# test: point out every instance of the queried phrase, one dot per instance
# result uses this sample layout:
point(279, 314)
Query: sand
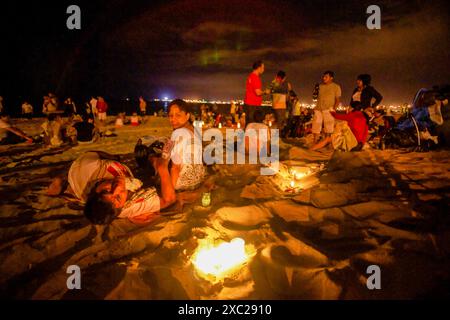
point(388, 208)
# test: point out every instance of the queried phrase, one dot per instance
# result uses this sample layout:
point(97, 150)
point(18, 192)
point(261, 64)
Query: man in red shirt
point(253, 91)
point(102, 107)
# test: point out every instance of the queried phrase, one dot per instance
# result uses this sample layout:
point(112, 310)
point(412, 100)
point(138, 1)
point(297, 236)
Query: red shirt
point(253, 83)
point(357, 123)
point(102, 106)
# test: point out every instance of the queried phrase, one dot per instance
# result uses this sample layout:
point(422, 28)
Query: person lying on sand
point(109, 190)
point(10, 134)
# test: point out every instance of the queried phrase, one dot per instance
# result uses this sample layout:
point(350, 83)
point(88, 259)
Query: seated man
point(10, 134)
point(109, 189)
point(258, 127)
point(86, 132)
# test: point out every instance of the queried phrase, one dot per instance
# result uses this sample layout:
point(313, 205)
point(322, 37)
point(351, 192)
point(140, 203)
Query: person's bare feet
point(55, 188)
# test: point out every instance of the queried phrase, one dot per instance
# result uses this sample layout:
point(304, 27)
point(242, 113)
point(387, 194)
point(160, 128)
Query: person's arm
point(19, 133)
point(340, 116)
point(175, 173)
point(167, 189)
point(338, 97)
point(378, 97)
point(336, 103)
point(107, 156)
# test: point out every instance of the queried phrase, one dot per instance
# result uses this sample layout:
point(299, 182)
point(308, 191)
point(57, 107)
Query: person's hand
point(159, 163)
point(267, 91)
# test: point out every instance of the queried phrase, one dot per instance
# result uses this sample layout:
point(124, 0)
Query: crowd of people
point(349, 136)
point(108, 189)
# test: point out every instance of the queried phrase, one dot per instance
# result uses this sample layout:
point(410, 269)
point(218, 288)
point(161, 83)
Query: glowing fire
point(219, 260)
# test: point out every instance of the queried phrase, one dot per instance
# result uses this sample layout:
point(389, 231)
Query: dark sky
point(205, 48)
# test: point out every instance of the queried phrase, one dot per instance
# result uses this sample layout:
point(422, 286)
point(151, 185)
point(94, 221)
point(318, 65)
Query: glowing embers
point(216, 262)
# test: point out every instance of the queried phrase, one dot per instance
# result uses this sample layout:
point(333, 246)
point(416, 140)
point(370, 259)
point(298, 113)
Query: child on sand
point(109, 190)
point(135, 120)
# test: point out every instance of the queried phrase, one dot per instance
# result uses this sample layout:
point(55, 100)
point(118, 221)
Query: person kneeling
point(343, 138)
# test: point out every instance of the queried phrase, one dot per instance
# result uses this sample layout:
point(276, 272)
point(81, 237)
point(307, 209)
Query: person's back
point(85, 131)
point(259, 129)
point(357, 124)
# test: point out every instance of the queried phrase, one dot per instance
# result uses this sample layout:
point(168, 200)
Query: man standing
point(280, 89)
point(142, 106)
point(329, 98)
point(93, 102)
point(102, 107)
point(253, 91)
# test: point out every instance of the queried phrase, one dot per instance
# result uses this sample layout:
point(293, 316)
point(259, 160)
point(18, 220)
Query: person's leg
point(317, 125)
point(250, 115)
point(57, 185)
point(321, 144)
point(328, 123)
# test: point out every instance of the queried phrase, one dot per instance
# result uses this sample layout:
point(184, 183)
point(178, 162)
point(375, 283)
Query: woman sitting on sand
point(109, 190)
point(184, 172)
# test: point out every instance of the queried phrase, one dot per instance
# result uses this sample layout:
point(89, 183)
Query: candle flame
point(219, 260)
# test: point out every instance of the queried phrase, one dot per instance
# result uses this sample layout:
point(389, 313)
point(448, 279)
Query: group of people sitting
point(76, 129)
point(108, 189)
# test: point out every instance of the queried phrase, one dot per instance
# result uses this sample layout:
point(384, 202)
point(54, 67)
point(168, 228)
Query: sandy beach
point(387, 208)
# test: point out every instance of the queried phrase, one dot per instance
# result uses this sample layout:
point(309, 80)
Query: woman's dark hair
point(257, 64)
point(181, 104)
point(141, 154)
point(258, 116)
point(365, 78)
point(281, 74)
point(99, 211)
point(330, 73)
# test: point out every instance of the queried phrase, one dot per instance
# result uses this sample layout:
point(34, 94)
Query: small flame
point(219, 260)
point(292, 184)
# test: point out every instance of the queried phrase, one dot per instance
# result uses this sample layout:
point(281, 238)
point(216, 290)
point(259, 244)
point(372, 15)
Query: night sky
point(205, 48)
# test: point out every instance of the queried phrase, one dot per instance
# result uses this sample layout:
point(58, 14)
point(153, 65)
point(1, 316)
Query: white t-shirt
point(357, 96)
point(89, 168)
point(3, 126)
point(186, 155)
point(327, 96)
point(144, 201)
point(257, 127)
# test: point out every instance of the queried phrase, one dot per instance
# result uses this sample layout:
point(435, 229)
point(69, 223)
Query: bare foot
point(55, 188)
